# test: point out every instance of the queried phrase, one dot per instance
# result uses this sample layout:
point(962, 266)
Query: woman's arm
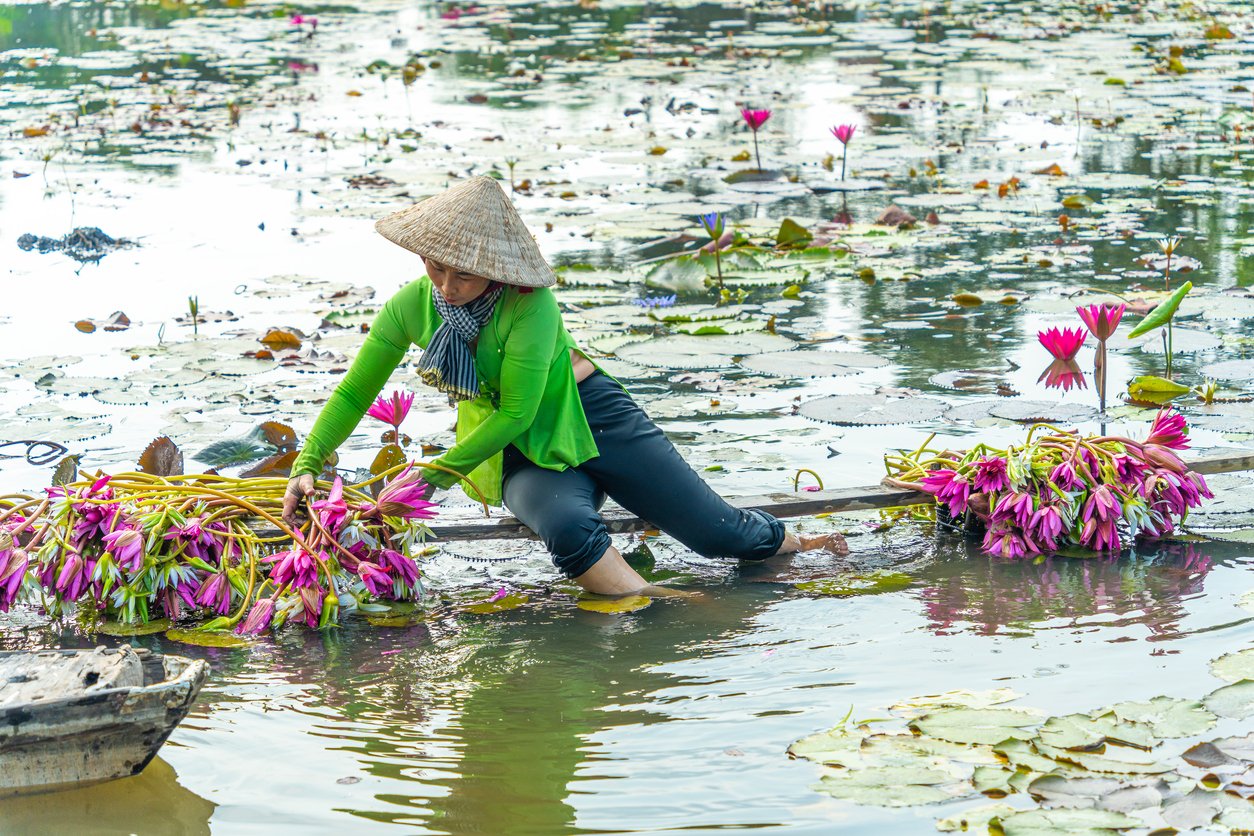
point(524, 374)
point(394, 330)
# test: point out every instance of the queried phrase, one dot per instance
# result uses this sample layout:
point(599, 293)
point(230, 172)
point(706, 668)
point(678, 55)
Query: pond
point(242, 151)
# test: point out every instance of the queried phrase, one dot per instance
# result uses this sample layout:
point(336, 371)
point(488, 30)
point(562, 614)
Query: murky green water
point(224, 139)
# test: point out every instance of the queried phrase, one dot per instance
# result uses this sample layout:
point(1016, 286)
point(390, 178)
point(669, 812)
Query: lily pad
point(1081, 731)
point(687, 352)
point(978, 725)
point(1067, 823)
point(207, 638)
point(975, 820)
point(1113, 759)
point(869, 410)
point(1166, 717)
point(626, 604)
point(892, 786)
point(870, 583)
point(954, 699)
point(1236, 370)
point(1234, 667)
point(1028, 411)
point(812, 363)
point(119, 628)
point(512, 601)
point(823, 747)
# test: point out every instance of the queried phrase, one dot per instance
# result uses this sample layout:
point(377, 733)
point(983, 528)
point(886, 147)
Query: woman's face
point(454, 285)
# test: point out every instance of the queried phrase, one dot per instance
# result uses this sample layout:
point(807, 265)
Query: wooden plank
point(783, 504)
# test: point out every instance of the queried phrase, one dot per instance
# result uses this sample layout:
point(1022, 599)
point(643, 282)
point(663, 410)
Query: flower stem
point(756, 155)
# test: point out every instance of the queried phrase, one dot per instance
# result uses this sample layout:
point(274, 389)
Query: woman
point(538, 425)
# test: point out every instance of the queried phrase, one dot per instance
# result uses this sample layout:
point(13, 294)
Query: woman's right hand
point(298, 488)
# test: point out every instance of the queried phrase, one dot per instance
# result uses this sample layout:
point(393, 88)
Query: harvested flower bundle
point(1061, 488)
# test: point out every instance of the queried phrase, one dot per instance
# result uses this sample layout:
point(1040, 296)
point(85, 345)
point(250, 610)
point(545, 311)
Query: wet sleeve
point(398, 326)
point(524, 374)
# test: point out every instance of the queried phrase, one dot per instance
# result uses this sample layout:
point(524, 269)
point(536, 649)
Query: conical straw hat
point(474, 227)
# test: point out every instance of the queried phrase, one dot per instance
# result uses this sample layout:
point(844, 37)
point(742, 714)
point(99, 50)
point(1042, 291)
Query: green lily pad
point(1067, 823)
point(1021, 754)
point(812, 363)
point(687, 352)
point(1235, 701)
point(892, 786)
point(870, 583)
point(626, 604)
point(1166, 717)
point(1113, 759)
point(512, 601)
point(954, 699)
point(207, 638)
point(868, 410)
point(975, 820)
point(1081, 731)
point(978, 725)
point(119, 628)
point(1233, 667)
point(828, 746)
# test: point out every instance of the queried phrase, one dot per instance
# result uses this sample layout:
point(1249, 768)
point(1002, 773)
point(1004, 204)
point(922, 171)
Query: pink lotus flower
point(333, 510)
point(755, 118)
point(404, 496)
point(258, 619)
point(990, 474)
point(948, 487)
point(1101, 535)
point(1164, 458)
point(300, 20)
point(392, 410)
point(1169, 430)
point(375, 577)
point(1128, 470)
point(1103, 504)
point(498, 595)
point(215, 593)
point(127, 546)
point(1063, 343)
point(1063, 374)
point(311, 601)
point(1101, 320)
point(74, 576)
point(197, 541)
point(1046, 525)
point(844, 133)
point(13, 563)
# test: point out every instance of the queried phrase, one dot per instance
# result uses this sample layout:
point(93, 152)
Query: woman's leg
point(643, 472)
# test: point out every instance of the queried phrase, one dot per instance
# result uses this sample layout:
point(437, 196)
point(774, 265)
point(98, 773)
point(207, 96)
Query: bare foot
point(834, 543)
point(655, 591)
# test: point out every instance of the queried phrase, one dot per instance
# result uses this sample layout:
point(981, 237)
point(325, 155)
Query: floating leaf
point(118, 628)
point(247, 448)
point(1114, 759)
point(161, 457)
point(628, 603)
point(1030, 411)
point(1233, 667)
point(1166, 716)
point(812, 363)
point(1081, 731)
point(869, 583)
point(1066, 822)
point(891, 786)
point(279, 338)
point(207, 638)
point(866, 410)
point(66, 470)
point(85, 325)
point(512, 601)
point(828, 746)
point(279, 434)
point(955, 699)
point(1155, 389)
point(280, 464)
point(792, 234)
point(977, 725)
point(975, 820)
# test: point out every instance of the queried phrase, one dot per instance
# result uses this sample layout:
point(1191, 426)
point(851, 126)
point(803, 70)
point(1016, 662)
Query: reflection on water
point(1150, 588)
point(152, 802)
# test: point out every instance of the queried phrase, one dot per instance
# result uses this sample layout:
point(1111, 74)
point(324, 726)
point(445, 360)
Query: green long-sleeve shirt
point(528, 395)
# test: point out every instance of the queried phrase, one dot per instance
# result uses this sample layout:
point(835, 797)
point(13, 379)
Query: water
point(549, 718)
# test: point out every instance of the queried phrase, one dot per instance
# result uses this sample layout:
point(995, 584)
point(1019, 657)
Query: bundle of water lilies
point(135, 547)
point(1060, 488)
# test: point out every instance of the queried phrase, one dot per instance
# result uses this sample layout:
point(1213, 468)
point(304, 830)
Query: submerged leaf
point(207, 638)
point(869, 583)
point(161, 457)
point(629, 603)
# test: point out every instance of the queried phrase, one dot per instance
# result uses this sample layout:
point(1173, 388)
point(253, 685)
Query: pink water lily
point(404, 496)
point(990, 474)
point(1063, 343)
point(333, 510)
point(949, 488)
point(1017, 507)
point(375, 577)
point(844, 133)
point(13, 564)
point(215, 593)
point(1064, 476)
point(1005, 542)
point(74, 576)
point(295, 566)
point(258, 619)
point(1101, 320)
point(405, 567)
point(1046, 525)
point(755, 119)
point(127, 546)
point(392, 410)
point(1168, 430)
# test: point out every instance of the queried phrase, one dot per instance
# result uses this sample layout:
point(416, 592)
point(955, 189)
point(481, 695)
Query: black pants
point(643, 472)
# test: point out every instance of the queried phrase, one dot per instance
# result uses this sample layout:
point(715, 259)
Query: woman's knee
point(575, 541)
